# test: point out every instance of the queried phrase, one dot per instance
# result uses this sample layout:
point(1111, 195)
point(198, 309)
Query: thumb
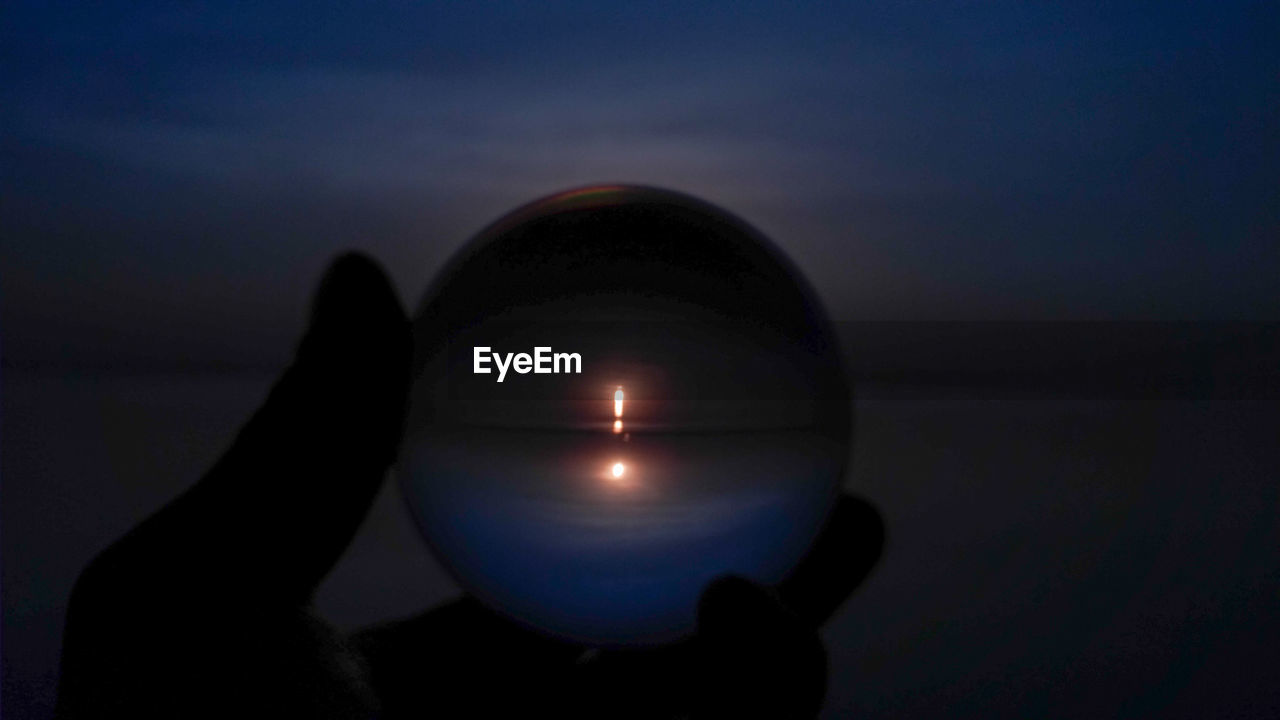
point(276, 511)
point(757, 659)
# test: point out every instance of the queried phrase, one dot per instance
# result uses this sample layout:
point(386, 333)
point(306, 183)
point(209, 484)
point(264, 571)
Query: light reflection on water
point(586, 536)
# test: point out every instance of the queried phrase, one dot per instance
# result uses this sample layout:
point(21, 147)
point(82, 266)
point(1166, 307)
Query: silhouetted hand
point(204, 608)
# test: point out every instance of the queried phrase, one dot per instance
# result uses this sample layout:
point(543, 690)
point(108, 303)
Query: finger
point(278, 508)
point(755, 658)
point(471, 657)
point(842, 556)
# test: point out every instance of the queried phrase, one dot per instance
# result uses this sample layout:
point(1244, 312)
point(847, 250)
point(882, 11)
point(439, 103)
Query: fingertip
point(351, 274)
point(757, 658)
point(356, 308)
point(732, 602)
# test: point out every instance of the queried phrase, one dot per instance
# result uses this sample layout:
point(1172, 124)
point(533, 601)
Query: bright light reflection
point(618, 469)
point(617, 402)
point(617, 426)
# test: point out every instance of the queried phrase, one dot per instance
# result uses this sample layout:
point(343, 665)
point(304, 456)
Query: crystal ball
point(620, 394)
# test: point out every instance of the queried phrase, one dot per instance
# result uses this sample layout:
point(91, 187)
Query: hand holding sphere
point(736, 432)
point(204, 608)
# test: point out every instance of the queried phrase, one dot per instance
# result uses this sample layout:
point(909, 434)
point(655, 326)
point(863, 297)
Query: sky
point(174, 178)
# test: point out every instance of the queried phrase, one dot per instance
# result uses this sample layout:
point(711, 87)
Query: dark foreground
point(1056, 549)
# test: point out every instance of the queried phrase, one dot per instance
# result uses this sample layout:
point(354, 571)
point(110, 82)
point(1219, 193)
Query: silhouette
point(203, 608)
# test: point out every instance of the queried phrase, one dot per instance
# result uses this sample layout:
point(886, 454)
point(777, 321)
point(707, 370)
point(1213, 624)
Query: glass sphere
point(680, 413)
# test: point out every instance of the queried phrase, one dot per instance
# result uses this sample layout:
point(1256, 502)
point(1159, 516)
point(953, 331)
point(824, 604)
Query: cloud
point(374, 132)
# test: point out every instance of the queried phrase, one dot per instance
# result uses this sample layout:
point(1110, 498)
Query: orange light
point(617, 426)
point(617, 402)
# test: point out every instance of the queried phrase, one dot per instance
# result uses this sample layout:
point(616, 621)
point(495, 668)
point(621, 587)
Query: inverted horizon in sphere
point(541, 505)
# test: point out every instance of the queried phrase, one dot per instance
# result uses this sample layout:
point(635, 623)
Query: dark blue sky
point(174, 179)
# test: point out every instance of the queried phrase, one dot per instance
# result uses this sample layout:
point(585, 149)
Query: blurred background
point(1048, 235)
